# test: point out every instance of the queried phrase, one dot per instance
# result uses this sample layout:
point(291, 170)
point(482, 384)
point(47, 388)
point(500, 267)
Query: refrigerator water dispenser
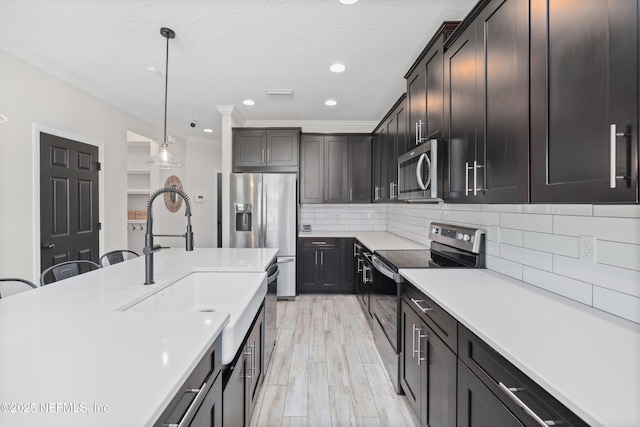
point(243, 217)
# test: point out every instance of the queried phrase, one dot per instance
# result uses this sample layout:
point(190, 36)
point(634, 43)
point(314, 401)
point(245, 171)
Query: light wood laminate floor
point(326, 371)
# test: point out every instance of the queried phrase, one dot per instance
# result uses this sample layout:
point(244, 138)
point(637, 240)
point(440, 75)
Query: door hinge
point(98, 166)
point(99, 226)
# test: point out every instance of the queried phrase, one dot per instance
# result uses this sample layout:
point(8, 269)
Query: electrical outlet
point(587, 248)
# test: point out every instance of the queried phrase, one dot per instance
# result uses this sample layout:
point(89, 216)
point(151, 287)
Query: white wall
point(30, 96)
point(204, 161)
point(537, 244)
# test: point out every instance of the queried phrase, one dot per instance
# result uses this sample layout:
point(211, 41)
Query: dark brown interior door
point(69, 221)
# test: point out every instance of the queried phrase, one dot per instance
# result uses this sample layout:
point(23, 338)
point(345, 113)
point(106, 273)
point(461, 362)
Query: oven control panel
point(464, 238)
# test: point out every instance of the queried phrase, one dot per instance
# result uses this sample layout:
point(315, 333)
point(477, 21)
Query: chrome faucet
point(149, 247)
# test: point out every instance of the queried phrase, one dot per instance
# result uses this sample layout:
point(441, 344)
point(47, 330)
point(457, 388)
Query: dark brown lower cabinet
point(198, 402)
point(241, 379)
point(326, 266)
point(428, 372)
point(477, 406)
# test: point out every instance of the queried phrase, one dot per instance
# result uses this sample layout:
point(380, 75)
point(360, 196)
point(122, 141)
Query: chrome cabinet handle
point(420, 337)
point(417, 134)
point(612, 155)
point(319, 242)
point(351, 194)
point(376, 193)
point(192, 407)
point(510, 391)
point(262, 156)
point(268, 155)
point(420, 138)
point(48, 246)
point(366, 279)
point(466, 178)
point(413, 345)
point(321, 258)
point(423, 309)
point(359, 265)
point(316, 254)
point(356, 249)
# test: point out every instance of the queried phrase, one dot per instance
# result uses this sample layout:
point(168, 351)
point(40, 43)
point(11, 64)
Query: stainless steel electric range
point(452, 246)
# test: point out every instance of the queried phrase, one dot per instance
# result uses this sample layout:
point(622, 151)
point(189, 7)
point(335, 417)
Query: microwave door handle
point(421, 183)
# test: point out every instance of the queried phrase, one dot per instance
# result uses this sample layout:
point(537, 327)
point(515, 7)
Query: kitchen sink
point(239, 294)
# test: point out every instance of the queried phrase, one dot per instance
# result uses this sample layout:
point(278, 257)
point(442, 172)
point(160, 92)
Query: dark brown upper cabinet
point(425, 91)
point(584, 101)
point(486, 76)
point(265, 150)
point(390, 141)
point(335, 168)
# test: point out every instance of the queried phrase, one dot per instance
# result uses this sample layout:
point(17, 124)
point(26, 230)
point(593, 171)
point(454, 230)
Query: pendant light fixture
point(165, 158)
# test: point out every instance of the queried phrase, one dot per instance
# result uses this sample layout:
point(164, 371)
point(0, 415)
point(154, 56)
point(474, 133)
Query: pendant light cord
point(166, 86)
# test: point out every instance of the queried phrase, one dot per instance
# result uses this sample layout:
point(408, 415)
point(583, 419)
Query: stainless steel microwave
point(419, 174)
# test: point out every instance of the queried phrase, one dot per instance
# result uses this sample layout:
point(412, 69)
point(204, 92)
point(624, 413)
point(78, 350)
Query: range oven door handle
point(382, 268)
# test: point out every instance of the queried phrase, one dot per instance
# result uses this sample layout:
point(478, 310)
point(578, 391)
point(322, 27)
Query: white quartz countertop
point(373, 240)
point(69, 357)
point(587, 359)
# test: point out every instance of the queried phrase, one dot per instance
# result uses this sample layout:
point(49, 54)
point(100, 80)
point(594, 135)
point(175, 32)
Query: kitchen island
point(70, 356)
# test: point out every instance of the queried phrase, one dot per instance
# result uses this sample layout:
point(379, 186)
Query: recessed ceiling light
point(3, 118)
point(330, 102)
point(337, 68)
point(348, 1)
point(155, 71)
point(207, 130)
point(249, 102)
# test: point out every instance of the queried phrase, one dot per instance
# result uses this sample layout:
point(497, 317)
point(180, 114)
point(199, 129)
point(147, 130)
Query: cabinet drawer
point(320, 243)
point(510, 384)
point(442, 323)
point(204, 373)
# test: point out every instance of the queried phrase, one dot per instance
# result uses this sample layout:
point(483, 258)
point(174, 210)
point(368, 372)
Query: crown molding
point(318, 126)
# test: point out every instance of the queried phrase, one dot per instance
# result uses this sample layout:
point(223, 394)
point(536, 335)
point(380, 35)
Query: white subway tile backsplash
point(506, 267)
point(472, 217)
point(617, 303)
point(618, 279)
point(562, 245)
point(585, 210)
point(626, 230)
point(618, 254)
point(511, 236)
point(565, 286)
point(541, 260)
point(503, 208)
point(617, 211)
point(528, 222)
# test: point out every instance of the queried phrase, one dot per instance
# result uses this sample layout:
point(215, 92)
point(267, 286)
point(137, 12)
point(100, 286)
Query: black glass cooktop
point(406, 258)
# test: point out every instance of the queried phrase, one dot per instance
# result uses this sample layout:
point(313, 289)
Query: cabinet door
point(210, 412)
point(584, 78)
point(233, 396)
point(249, 148)
point(255, 344)
point(502, 125)
point(282, 148)
point(307, 266)
point(411, 374)
point(359, 169)
point(311, 169)
point(477, 406)
point(348, 265)
point(329, 271)
point(379, 171)
point(434, 81)
point(390, 153)
point(336, 169)
point(400, 147)
point(441, 382)
point(460, 81)
point(417, 105)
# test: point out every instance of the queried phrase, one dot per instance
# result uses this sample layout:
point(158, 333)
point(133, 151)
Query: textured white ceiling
point(227, 51)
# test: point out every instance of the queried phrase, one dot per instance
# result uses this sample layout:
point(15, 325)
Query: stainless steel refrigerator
point(263, 215)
